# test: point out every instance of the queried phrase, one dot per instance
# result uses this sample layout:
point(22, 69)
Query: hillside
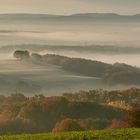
point(122, 134)
point(93, 110)
point(116, 74)
point(39, 114)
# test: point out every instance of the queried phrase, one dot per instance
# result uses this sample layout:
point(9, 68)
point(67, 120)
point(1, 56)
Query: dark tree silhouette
point(21, 54)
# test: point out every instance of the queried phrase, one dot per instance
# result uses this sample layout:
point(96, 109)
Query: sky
point(66, 7)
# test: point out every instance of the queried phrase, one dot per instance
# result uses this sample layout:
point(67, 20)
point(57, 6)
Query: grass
point(119, 134)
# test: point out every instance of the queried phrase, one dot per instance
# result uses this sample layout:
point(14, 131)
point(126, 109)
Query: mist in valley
point(108, 41)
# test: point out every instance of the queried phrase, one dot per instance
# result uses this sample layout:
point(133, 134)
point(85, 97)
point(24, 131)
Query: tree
point(67, 125)
point(16, 98)
point(36, 58)
point(117, 124)
point(21, 54)
point(133, 117)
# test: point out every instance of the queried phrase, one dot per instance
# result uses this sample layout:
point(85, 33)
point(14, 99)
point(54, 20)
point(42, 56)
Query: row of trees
point(111, 74)
point(117, 98)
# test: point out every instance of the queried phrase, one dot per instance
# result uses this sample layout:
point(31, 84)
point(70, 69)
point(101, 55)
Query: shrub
point(67, 125)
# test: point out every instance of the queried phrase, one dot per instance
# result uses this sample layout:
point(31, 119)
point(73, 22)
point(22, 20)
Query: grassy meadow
point(119, 134)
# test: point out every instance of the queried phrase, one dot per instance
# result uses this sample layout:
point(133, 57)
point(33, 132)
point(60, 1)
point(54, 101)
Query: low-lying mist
point(121, 37)
point(107, 54)
point(73, 36)
point(35, 79)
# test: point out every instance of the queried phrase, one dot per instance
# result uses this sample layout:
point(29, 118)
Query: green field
point(120, 134)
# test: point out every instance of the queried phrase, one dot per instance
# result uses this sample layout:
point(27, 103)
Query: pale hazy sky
point(70, 6)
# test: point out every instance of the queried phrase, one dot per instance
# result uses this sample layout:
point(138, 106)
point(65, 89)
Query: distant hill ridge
point(79, 16)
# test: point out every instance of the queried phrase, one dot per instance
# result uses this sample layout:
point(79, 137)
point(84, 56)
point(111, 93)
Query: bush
point(116, 124)
point(133, 117)
point(67, 125)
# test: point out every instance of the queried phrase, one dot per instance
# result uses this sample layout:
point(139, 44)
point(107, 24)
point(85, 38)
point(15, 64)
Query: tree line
point(111, 74)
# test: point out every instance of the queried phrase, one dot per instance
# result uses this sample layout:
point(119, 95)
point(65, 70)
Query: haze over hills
point(103, 33)
point(105, 37)
point(69, 65)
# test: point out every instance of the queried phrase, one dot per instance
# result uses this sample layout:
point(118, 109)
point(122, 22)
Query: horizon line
point(37, 13)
